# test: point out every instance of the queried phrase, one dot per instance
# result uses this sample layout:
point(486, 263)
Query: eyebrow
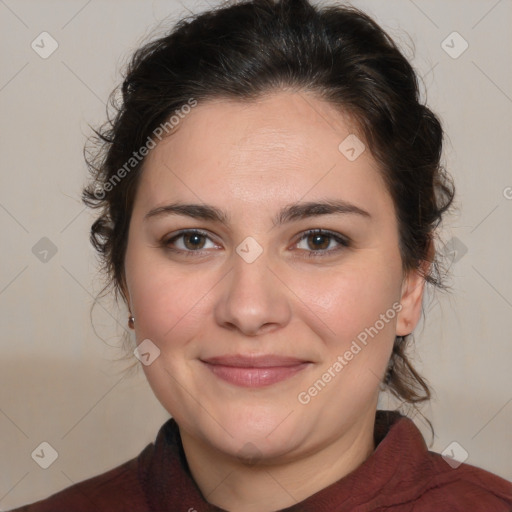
point(289, 213)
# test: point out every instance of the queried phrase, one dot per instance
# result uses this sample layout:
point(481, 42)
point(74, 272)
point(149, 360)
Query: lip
point(254, 371)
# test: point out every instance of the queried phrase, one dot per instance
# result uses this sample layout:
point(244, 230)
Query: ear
point(123, 287)
point(411, 299)
point(412, 296)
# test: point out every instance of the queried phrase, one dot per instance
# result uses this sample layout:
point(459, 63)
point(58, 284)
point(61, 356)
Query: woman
point(269, 193)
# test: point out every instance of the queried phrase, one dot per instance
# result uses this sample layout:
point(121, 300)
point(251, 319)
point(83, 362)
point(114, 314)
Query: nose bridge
point(250, 268)
point(252, 296)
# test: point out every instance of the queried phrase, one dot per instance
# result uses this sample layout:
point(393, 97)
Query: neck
point(267, 486)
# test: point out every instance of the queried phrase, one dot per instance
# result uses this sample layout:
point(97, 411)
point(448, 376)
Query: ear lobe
point(411, 300)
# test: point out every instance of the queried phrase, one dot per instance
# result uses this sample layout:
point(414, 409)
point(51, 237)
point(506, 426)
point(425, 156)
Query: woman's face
point(266, 334)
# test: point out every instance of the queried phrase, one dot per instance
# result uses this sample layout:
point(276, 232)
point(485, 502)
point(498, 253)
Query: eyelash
point(343, 241)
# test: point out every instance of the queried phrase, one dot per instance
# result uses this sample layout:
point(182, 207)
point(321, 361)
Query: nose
point(252, 300)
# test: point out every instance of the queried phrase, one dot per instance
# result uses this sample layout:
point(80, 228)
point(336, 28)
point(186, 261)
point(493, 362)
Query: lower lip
point(255, 377)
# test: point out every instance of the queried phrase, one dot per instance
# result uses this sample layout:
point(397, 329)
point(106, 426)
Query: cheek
point(169, 306)
point(158, 297)
point(355, 310)
point(166, 302)
point(350, 299)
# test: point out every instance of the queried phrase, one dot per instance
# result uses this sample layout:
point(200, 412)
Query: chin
point(258, 434)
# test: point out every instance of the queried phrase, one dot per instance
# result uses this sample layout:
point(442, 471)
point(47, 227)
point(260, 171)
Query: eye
point(317, 242)
point(188, 242)
point(320, 242)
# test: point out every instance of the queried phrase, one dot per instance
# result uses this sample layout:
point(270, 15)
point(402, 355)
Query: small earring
point(131, 322)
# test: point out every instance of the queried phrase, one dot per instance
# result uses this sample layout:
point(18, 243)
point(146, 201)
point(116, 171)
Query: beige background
point(59, 381)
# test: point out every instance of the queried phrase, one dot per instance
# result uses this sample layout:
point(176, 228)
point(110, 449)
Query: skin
point(261, 449)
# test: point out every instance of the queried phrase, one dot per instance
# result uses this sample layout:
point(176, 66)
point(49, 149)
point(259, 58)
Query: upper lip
point(261, 361)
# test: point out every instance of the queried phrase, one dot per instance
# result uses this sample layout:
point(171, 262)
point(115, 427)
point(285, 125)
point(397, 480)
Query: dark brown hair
point(246, 50)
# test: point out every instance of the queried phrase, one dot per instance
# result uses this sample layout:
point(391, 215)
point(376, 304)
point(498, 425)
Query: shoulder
point(462, 487)
point(412, 476)
point(118, 489)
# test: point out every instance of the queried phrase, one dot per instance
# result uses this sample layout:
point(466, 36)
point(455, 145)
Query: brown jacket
point(400, 476)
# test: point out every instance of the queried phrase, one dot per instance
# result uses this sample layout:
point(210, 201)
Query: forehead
point(287, 123)
point(281, 146)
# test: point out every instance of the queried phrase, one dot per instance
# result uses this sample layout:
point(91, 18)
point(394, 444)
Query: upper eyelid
point(168, 238)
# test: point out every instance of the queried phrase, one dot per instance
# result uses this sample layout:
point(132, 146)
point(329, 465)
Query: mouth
point(254, 371)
